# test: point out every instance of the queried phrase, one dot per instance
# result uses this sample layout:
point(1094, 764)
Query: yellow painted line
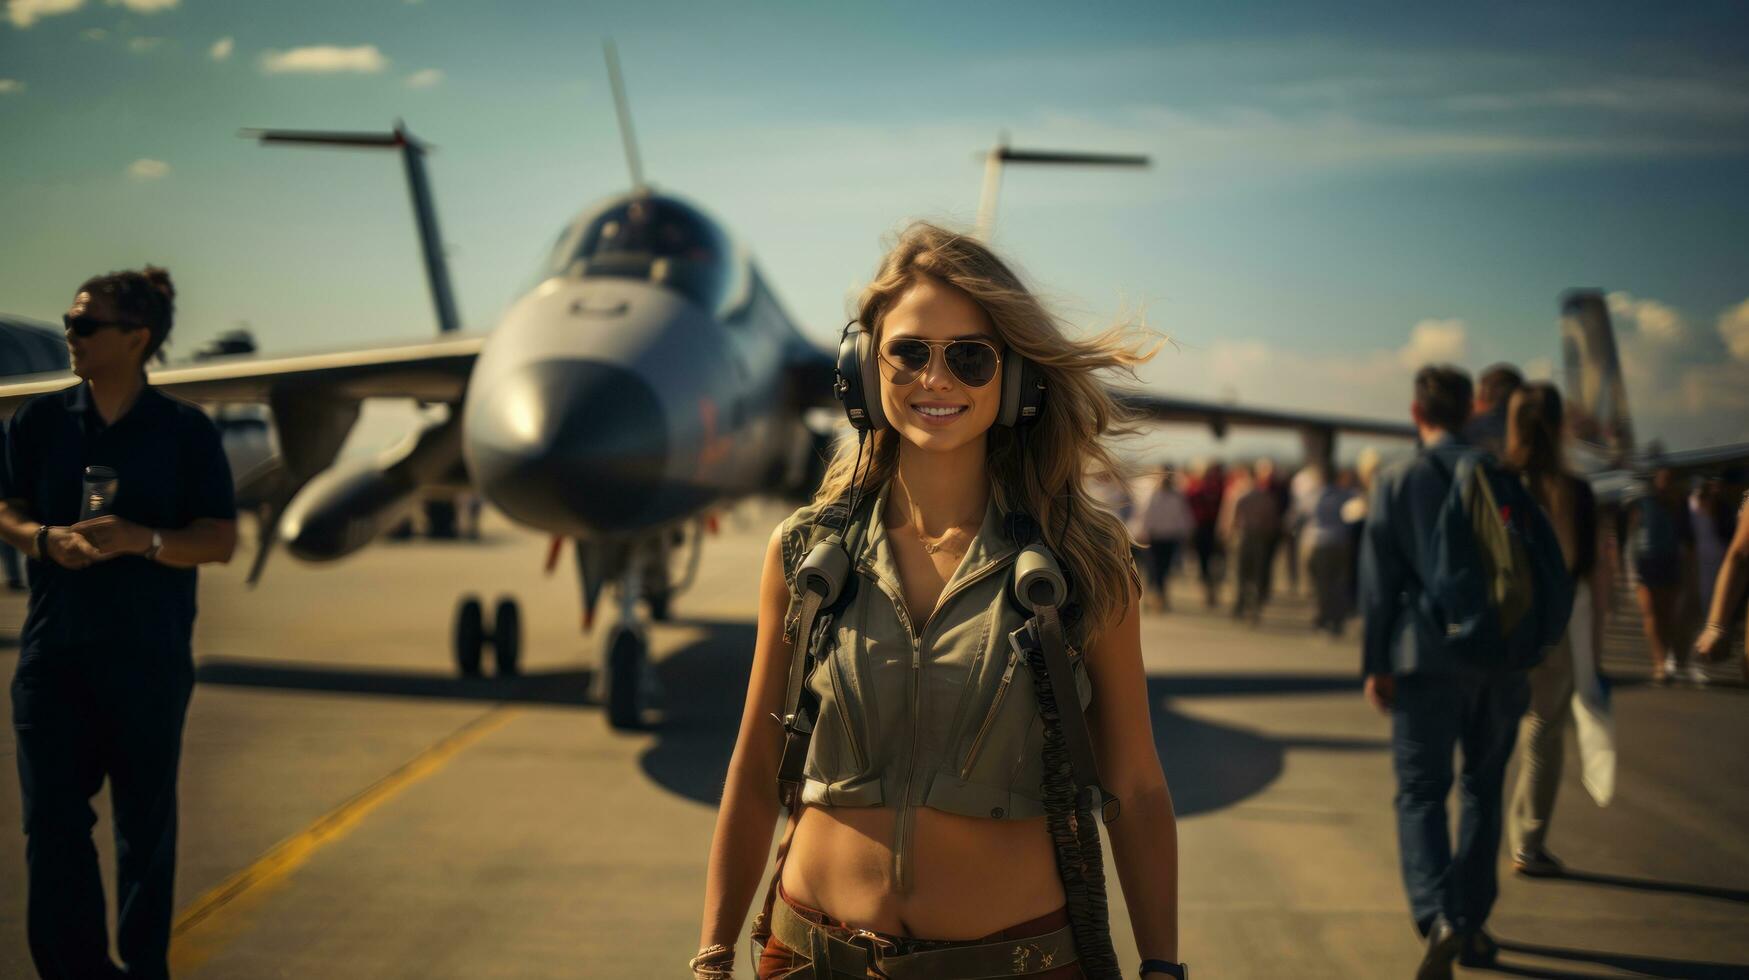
point(290, 854)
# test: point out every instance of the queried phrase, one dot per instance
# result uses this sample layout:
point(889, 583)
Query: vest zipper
point(902, 826)
point(990, 718)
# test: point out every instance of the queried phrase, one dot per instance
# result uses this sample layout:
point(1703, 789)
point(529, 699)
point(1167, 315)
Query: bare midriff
point(973, 875)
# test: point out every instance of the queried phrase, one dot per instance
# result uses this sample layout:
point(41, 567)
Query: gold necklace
point(931, 547)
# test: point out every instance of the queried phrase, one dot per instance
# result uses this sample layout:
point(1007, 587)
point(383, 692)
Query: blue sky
point(1334, 196)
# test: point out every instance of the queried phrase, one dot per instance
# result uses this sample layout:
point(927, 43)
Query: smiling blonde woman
point(930, 831)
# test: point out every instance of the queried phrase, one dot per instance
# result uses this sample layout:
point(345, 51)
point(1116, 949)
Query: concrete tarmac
point(351, 809)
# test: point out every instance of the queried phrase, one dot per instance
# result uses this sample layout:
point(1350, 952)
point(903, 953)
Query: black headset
point(858, 384)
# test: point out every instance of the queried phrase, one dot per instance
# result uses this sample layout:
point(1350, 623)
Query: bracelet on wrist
point(713, 962)
point(1715, 628)
point(42, 542)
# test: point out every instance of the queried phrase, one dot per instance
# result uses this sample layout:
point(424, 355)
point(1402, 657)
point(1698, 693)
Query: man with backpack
point(1463, 588)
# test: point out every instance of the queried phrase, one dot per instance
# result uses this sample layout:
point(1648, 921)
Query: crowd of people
point(1240, 523)
point(1245, 522)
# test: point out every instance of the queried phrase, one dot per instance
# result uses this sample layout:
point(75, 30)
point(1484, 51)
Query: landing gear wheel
point(506, 637)
point(469, 635)
point(625, 668)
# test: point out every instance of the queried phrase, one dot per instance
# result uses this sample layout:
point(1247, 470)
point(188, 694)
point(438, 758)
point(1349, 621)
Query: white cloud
point(1434, 342)
point(23, 13)
point(93, 33)
point(1652, 319)
point(222, 48)
point(145, 6)
point(1689, 391)
point(325, 59)
point(10, 86)
point(1366, 383)
point(425, 78)
point(1734, 328)
point(148, 169)
point(143, 44)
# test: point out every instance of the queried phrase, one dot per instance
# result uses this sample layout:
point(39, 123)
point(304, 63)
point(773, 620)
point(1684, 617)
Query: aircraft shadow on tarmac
point(1209, 765)
point(538, 687)
point(1640, 966)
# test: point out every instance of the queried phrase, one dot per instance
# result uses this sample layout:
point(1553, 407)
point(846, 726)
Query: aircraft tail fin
point(424, 211)
point(1597, 400)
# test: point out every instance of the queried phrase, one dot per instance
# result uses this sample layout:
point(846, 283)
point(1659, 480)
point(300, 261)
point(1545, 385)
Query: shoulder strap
point(1076, 738)
point(806, 604)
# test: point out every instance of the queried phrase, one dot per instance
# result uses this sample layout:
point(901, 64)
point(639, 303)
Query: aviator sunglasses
point(973, 362)
point(85, 326)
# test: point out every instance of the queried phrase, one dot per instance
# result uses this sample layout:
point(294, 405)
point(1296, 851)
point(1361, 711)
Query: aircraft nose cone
point(570, 446)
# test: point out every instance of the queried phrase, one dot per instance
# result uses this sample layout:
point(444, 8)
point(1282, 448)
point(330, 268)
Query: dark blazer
point(1400, 518)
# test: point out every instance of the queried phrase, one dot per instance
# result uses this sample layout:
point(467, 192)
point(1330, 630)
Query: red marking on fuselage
point(713, 449)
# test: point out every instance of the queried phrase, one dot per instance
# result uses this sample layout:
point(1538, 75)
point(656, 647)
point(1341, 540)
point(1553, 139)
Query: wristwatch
point(151, 553)
point(1178, 970)
point(42, 542)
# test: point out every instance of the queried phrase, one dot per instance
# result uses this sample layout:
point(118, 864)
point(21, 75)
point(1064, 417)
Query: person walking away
point(1115, 495)
point(1534, 450)
point(1164, 522)
point(1366, 469)
point(1270, 481)
point(105, 669)
point(1446, 662)
point(1303, 491)
point(1661, 542)
point(1726, 605)
point(1206, 493)
point(1712, 509)
point(1250, 524)
point(1329, 547)
point(1487, 426)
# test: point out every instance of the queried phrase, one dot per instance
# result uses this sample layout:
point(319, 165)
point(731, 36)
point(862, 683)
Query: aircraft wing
point(1220, 416)
point(1695, 460)
point(431, 371)
point(813, 373)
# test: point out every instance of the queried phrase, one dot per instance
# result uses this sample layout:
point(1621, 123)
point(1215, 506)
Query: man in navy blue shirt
point(1438, 703)
point(105, 668)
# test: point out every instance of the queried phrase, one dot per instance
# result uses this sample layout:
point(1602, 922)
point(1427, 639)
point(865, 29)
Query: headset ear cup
point(871, 380)
point(1023, 393)
point(848, 383)
point(1013, 367)
point(1031, 402)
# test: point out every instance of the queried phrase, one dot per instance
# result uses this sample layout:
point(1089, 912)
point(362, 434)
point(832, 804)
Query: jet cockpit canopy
point(654, 238)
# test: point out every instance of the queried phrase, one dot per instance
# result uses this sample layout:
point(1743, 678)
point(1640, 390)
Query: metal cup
point(100, 484)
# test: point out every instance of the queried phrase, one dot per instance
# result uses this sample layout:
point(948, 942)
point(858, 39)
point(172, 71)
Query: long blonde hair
point(1063, 448)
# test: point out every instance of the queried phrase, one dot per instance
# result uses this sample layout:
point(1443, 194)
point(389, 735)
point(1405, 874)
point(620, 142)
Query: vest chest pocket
point(1010, 735)
point(982, 733)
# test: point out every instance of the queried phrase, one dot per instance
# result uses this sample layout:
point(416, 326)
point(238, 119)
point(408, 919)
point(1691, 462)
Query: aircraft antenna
point(424, 210)
point(1002, 153)
point(633, 162)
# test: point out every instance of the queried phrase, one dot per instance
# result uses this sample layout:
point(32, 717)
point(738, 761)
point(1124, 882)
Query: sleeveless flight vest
point(940, 713)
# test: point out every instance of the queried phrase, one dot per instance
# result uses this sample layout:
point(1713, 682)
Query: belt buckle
point(877, 946)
